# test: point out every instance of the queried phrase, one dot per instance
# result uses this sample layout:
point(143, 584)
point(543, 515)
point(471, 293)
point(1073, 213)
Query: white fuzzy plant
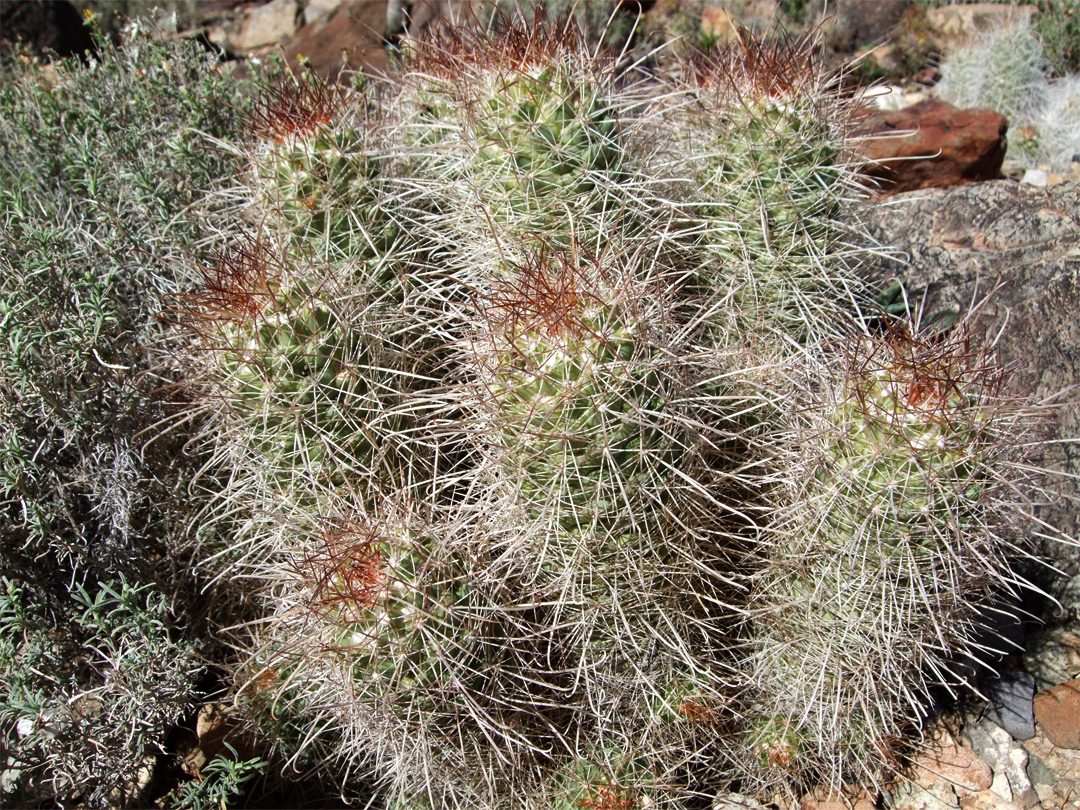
point(1003, 70)
point(1058, 124)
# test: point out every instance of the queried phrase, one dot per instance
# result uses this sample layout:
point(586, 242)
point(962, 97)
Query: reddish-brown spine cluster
point(755, 69)
point(545, 293)
point(934, 375)
point(236, 287)
point(346, 575)
point(295, 108)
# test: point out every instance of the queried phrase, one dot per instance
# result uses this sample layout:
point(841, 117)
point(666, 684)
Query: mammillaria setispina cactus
point(560, 503)
point(909, 494)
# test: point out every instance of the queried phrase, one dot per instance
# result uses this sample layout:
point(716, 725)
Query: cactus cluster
point(541, 470)
point(1005, 70)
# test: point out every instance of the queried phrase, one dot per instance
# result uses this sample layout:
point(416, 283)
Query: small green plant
point(222, 779)
point(78, 677)
point(1058, 26)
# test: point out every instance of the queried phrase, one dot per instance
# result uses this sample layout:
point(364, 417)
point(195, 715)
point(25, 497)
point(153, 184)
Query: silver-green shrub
point(103, 170)
point(1004, 70)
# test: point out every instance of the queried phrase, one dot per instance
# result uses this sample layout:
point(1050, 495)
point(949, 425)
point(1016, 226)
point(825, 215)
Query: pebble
point(269, 24)
point(947, 760)
point(987, 801)
point(736, 801)
point(822, 799)
point(1053, 656)
point(1008, 760)
point(1036, 177)
point(1057, 710)
point(1011, 699)
point(945, 772)
point(909, 796)
point(319, 9)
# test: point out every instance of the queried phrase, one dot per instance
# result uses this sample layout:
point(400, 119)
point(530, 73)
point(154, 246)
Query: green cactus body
point(904, 450)
point(1002, 70)
point(543, 140)
point(534, 134)
point(323, 190)
point(575, 392)
point(617, 528)
point(889, 528)
point(318, 173)
point(377, 612)
point(396, 614)
point(317, 394)
point(572, 423)
point(775, 744)
point(771, 176)
point(314, 377)
point(781, 202)
point(616, 782)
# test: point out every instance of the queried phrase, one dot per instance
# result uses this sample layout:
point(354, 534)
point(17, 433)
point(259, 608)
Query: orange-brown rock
point(1057, 711)
point(944, 759)
point(354, 32)
point(932, 145)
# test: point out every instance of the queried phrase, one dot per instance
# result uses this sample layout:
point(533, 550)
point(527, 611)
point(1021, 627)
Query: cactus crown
point(345, 575)
point(753, 69)
point(927, 376)
point(294, 107)
point(236, 287)
point(547, 294)
point(519, 49)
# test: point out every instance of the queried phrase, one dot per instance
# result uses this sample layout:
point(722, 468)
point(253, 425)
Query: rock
point(1008, 760)
point(735, 801)
point(909, 796)
point(932, 145)
point(318, 9)
point(124, 794)
point(1052, 656)
point(944, 759)
point(1039, 178)
point(438, 13)
point(1057, 710)
point(1010, 697)
point(987, 801)
point(893, 98)
point(848, 799)
point(1054, 771)
point(1068, 595)
point(945, 772)
point(269, 25)
point(857, 25)
point(352, 35)
point(718, 27)
point(1038, 773)
point(215, 726)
